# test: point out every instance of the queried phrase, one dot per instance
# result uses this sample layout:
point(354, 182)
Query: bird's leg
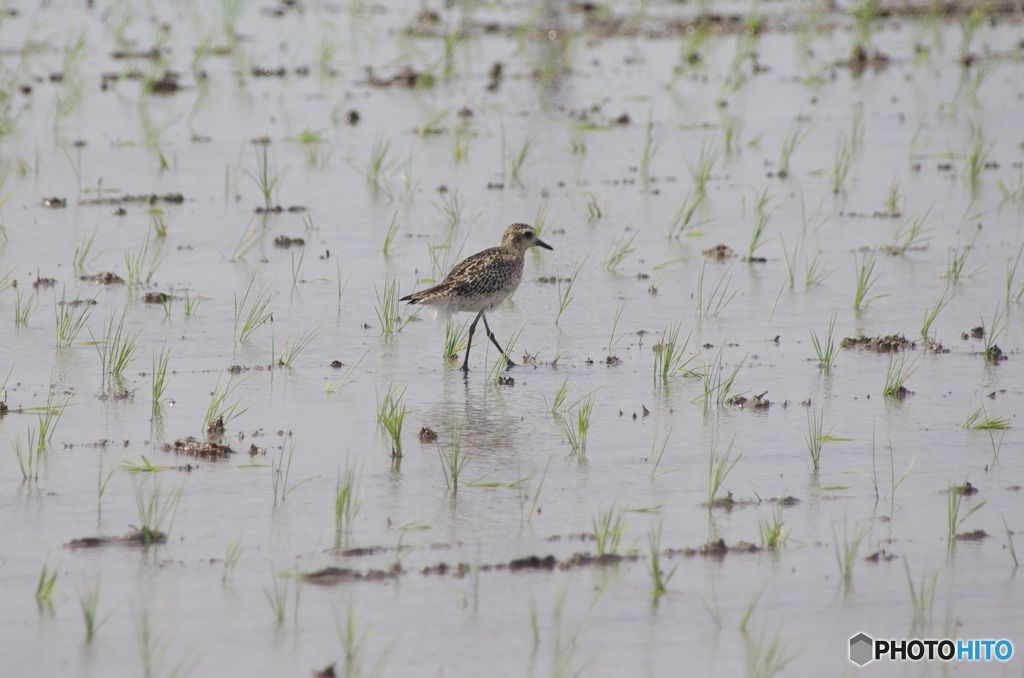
point(469, 341)
point(490, 335)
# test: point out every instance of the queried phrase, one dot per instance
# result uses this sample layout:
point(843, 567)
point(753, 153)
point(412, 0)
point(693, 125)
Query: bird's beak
point(541, 243)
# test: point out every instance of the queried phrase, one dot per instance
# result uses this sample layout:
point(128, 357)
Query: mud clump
point(165, 84)
point(284, 242)
point(156, 298)
point(427, 435)
point(974, 535)
point(55, 203)
point(144, 198)
point(143, 537)
point(965, 490)
point(533, 563)
point(756, 402)
point(892, 343)
point(105, 278)
point(202, 449)
point(44, 283)
point(406, 77)
point(329, 576)
point(994, 354)
point(880, 556)
point(720, 252)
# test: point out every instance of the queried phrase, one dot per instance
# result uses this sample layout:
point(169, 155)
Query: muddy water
point(917, 127)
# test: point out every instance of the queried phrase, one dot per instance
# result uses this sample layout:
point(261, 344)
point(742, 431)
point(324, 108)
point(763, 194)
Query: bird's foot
point(465, 368)
point(509, 364)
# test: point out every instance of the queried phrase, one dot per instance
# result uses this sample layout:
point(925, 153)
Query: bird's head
point(522, 237)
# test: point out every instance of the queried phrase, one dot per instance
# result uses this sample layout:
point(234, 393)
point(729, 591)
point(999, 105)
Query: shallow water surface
point(594, 130)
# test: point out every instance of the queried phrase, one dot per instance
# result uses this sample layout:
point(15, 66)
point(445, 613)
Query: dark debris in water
point(105, 278)
point(966, 490)
point(143, 537)
point(284, 242)
point(156, 298)
point(203, 449)
point(720, 252)
point(755, 402)
point(880, 556)
point(427, 435)
point(55, 203)
point(330, 576)
point(892, 343)
point(144, 198)
point(973, 535)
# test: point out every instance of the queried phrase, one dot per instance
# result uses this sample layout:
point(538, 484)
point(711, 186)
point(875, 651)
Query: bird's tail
point(421, 296)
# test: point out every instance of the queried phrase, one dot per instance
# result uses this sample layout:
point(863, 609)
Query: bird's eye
point(529, 234)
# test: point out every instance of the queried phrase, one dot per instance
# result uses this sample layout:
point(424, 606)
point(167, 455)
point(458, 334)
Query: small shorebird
point(481, 282)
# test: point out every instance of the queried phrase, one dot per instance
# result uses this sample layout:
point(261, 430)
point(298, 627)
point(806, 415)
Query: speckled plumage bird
point(481, 282)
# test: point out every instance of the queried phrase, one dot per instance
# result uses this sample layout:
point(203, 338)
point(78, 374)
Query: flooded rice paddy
point(764, 218)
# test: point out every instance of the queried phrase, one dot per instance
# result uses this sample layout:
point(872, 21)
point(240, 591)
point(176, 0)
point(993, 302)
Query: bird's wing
point(476, 273)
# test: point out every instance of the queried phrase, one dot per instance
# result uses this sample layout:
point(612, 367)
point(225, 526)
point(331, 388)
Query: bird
point(481, 282)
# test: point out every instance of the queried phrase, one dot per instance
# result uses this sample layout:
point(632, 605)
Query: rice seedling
point(191, 304)
point(117, 350)
point(716, 382)
point(102, 481)
point(578, 143)
point(277, 594)
point(922, 599)
point(23, 307)
point(761, 216)
point(88, 602)
point(346, 503)
point(913, 234)
point(659, 579)
point(615, 337)
point(790, 260)
point(841, 162)
point(670, 359)
point(498, 367)
point(251, 311)
point(932, 313)
point(980, 420)
point(1009, 543)
point(1011, 276)
point(250, 236)
point(140, 265)
point(222, 408)
point(798, 131)
point(732, 132)
point(28, 457)
point(379, 164)
point(450, 208)
point(977, 157)
point(576, 430)
point(684, 216)
point(340, 286)
point(158, 384)
point(897, 374)
point(701, 172)
point(846, 552)
point(44, 588)
point(720, 465)
point(652, 141)
point(954, 521)
point(620, 249)
point(71, 317)
point(280, 470)
point(995, 329)
point(387, 309)
point(893, 196)
point(828, 350)
point(558, 402)
point(144, 465)
point(517, 160)
point(455, 336)
point(609, 528)
point(712, 305)
point(656, 456)
point(565, 296)
point(156, 511)
point(293, 350)
point(956, 264)
point(266, 178)
point(816, 436)
point(766, 657)
point(815, 271)
point(81, 256)
point(391, 413)
point(231, 557)
point(866, 280)
point(527, 492)
point(389, 236)
point(772, 532)
point(297, 267)
point(594, 211)
point(158, 220)
point(453, 461)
